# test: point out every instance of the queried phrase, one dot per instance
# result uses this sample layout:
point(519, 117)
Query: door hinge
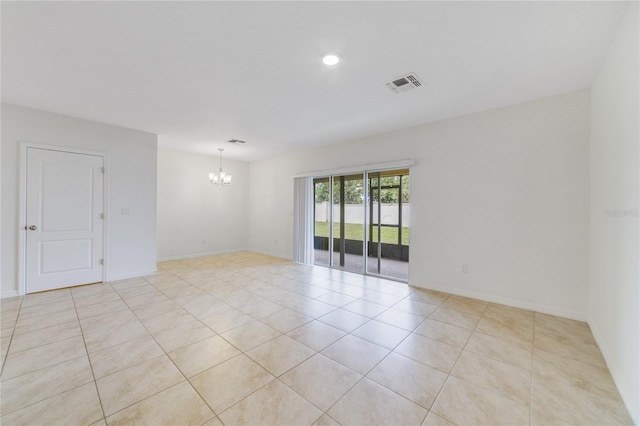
point(101, 215)
point(101, 261)
point(102, 170)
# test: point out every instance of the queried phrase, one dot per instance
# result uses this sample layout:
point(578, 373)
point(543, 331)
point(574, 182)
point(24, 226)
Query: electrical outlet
point(465, 269)
point(124, 211)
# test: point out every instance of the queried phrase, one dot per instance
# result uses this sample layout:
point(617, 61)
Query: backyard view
point(344, 204)
point(353, 231)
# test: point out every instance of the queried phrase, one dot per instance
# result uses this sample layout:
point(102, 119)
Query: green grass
point(353, 231)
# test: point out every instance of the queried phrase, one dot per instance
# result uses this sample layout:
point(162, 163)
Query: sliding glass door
point(348, 224)
point(338, 221)
point(388, 222)
point(361, 222)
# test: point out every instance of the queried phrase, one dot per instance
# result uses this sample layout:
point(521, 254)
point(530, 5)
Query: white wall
point(504, 191)
point(195, 217)
point(131, 180)
point(354, 213)
point(614, 279)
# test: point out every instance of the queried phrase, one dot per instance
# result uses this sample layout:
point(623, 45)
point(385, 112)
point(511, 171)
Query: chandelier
point(221, 178)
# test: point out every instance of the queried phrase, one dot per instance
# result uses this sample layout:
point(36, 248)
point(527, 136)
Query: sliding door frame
point(366, 220)
point(365, 204)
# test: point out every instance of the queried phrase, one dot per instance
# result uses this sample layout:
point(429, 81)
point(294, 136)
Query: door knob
point(33, 227)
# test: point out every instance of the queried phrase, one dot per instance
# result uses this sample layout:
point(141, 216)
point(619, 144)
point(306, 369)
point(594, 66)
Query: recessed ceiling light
point(331, 59)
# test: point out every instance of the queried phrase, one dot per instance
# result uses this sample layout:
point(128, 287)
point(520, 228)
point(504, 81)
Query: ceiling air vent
point(404, 83)
point(235, 141)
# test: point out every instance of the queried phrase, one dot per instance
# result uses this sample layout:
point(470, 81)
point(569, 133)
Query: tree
point(390, 195)
point(321, 191)
point(354, 190)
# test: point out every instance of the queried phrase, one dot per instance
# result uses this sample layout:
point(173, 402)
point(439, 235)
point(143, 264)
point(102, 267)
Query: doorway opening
point(362, 222)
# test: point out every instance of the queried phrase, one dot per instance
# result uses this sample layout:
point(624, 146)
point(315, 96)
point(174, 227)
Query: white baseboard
point(551, 310)
point(271, 253)
point(620, 378)
point(7, 294)
point(128, 275)
point(201, 254)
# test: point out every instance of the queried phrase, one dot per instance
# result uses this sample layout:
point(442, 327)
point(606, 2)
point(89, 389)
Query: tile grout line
point(476, 331)
point(136, 364)
point(379, 362)
point(165, 353)
point(316, 352)
point(241, 352)
point(238, 269)
point(48, 366)
point(13, 332)
point(350, 333)
point(95, 383)
point(456, 362)
point(52, 396)
point(435, 399)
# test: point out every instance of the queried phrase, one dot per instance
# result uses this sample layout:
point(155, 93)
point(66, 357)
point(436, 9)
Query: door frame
point(366, 171)
point(22, 206)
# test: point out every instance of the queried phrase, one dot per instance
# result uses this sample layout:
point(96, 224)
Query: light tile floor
point(397, 269)
point(250, 339)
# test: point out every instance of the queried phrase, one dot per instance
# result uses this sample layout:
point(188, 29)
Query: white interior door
point(64, 211)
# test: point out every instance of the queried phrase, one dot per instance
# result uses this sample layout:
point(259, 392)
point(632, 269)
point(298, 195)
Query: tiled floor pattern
point(249, 339)
point(390, 268)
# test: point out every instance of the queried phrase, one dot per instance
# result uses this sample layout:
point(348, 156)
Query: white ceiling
point(200, 73)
